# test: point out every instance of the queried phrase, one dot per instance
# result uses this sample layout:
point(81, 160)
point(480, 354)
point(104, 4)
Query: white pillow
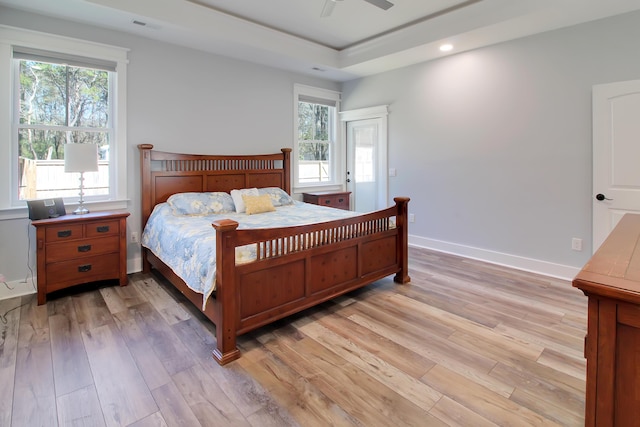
point(236, 195)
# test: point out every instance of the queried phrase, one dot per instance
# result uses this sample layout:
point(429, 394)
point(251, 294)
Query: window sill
point(22, 213)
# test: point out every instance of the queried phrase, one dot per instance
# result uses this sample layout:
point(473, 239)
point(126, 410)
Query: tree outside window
point(60, 104)
point(315, 142)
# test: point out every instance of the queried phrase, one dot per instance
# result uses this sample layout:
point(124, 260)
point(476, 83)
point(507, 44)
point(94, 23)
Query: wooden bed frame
point(296, 267)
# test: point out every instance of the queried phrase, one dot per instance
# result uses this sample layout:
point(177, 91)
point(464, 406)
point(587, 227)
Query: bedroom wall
point(178, 99)
point(494, 145)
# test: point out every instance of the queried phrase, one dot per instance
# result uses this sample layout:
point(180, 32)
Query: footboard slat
point(282, 241)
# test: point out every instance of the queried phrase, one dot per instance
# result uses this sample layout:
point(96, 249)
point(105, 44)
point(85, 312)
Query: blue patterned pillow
point(201, 203)
point(278, 196)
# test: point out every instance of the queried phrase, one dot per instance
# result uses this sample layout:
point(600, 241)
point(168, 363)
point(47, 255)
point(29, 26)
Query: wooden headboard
point(164, 174)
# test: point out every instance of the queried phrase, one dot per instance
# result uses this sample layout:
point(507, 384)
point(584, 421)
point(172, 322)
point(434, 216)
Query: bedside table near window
point(76, 249)
point(333, 199)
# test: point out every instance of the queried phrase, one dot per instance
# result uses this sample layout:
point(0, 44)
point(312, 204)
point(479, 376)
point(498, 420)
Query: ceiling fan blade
point(382, 4)
point(327, 9)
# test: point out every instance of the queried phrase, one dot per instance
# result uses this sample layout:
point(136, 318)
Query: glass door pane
point(363, 143)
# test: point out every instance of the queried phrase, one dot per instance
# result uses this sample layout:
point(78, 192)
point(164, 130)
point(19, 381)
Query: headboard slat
point(165, 173)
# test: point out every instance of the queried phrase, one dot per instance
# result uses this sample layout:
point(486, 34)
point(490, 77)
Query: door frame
point(380, 112)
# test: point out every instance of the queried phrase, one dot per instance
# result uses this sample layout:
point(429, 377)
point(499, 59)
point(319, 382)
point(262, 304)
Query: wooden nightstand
point(333, 199)
point(75, 249)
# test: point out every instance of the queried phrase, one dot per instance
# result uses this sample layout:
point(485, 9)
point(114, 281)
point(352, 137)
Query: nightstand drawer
point(63, 232)
point(98, 229)
point(100, 267)
point(332, 199)
point(335, 201)
point(81, 248)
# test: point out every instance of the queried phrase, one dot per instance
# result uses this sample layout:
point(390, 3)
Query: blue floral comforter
point(187, 243)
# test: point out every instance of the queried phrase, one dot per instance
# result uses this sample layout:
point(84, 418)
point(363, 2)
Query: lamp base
point(81, 210)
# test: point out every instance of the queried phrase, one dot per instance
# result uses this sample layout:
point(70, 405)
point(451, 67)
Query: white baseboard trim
point(531, 265)
point(565, 272)
point(18, 289)
point(134, 265)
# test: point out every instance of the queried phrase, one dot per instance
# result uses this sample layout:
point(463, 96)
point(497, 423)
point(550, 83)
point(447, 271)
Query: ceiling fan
point(330, 4)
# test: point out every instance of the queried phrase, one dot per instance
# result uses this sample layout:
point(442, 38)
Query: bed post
point(145, 194)
point(402, 249)
point(226, 299)
point(286, 166)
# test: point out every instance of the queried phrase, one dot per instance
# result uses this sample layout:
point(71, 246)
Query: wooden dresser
point(75, 249)
point(611, 280)
point(333, 199)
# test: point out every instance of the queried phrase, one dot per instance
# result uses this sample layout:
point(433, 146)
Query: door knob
point(601, 197)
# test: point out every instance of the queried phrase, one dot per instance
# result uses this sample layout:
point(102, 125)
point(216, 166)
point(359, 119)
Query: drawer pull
point(102, 229)
point(340, 200)
point(64, 233)
point(327, 201)
point(84, 248)
point(84, 268)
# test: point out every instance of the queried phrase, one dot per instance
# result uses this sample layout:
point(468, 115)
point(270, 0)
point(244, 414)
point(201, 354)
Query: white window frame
point(10, 206)
point(336, 159)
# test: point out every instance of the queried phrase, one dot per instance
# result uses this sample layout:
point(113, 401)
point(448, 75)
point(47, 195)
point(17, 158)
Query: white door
point(616, 155)
point(366, 135)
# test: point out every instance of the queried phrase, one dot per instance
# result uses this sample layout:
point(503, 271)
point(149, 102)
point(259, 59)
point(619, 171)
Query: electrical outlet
point(412, 218)
point(576, 244)
point(135, 237)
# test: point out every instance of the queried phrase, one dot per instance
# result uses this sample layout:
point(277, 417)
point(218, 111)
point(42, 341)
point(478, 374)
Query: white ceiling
point(358, 39)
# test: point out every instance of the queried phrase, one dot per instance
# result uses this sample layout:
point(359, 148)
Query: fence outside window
point(43, 179)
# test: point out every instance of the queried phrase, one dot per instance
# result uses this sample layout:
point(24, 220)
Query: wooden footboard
point(299, 267)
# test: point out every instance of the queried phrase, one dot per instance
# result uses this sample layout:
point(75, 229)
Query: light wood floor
point(466, 344)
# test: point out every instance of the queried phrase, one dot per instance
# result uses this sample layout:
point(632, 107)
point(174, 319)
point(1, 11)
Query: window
point(317, 153)
point(63, 91)
point(60, 104)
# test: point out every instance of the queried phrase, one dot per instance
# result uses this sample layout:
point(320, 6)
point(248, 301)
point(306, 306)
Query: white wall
point(179, 100)
point(494, 145)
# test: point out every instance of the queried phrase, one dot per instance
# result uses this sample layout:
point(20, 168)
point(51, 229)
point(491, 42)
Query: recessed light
point(446, 47)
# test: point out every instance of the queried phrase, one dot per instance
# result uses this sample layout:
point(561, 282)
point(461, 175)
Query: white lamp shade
point(80, 157)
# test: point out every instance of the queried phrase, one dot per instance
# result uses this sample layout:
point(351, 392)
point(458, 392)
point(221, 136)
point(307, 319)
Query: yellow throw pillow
point(258, 204)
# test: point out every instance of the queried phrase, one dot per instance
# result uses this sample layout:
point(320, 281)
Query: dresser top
point(97, 215)
point(326, 193)
point(614, 270)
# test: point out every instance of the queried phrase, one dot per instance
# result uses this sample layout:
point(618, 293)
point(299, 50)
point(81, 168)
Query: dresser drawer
point(81, 248)
point(64, 232)
point(337, 199)
point(83, 270)
point(97, 229)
